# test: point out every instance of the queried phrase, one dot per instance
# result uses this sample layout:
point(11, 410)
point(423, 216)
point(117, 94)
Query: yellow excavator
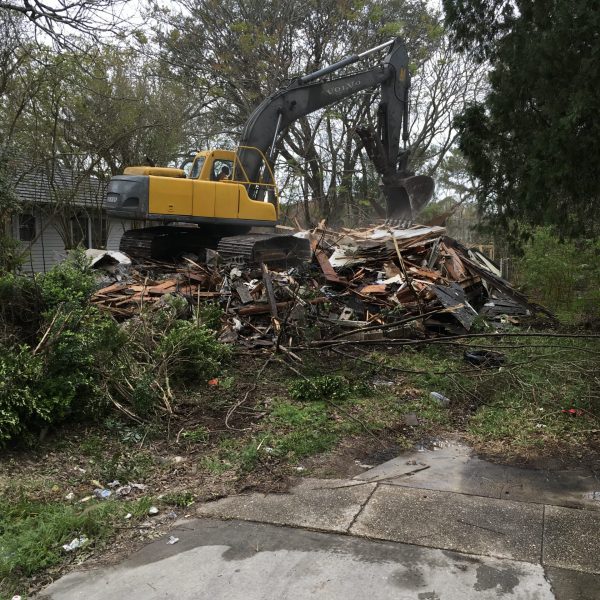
point(217, 197)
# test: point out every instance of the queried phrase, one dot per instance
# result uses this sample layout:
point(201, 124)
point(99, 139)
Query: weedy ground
point(269, 421)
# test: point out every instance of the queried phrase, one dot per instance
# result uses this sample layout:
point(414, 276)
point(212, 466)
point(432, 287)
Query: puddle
point(446, 465)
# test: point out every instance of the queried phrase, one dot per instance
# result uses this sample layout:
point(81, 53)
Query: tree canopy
point(534, 141)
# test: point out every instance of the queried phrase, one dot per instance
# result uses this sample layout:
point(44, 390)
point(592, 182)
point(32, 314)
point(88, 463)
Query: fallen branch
point(441, 340)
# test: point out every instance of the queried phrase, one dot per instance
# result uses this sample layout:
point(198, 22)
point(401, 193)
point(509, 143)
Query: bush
point(69, 282)
point(210, 315)
point(77, 359)
point(74, 360)
point(63, 377)
point(20, 400)
point(191, 352)
point(326, 387)
point(563, 275)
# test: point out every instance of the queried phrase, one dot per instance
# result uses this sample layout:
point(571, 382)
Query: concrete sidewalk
point(428, 526)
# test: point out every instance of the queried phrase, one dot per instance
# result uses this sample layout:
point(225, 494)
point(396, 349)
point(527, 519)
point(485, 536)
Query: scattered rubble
point(362, 284)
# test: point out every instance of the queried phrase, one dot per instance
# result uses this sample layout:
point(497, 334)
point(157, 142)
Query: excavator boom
point(309, 93)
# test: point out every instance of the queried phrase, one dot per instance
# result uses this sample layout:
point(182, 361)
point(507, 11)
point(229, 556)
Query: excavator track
point(168, 242)
point(268, 248)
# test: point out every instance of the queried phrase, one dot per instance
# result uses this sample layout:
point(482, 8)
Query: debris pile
point(368, 284)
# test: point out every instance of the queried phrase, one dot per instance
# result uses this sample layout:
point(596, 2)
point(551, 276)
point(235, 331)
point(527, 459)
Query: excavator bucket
point(406, 199)
point(420, 190)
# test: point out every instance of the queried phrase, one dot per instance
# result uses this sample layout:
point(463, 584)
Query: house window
point(26, 227)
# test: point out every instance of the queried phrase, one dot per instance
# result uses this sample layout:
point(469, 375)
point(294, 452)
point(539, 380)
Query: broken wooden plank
point(328, 271)
point(376, 288)
point(262, 309)
point(453, 264)
point(115, 287)
point(269, 289)
point(243, 292)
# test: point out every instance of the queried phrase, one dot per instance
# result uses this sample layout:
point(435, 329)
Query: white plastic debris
point(128, 516)
point(102, 494)
point(440, 398)
point(124, 490)
point(153, 510)
point(107, 258)
point(70, 496)
point(113, 484)
point(17, 597)
point(76, 543)
point(172, 540)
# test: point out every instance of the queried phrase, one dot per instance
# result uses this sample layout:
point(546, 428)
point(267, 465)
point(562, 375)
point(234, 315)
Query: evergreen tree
point(534, 141)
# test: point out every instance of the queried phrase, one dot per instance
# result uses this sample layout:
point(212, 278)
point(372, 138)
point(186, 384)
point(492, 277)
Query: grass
point(514, 410)
point(520, 407)
point(32, 532)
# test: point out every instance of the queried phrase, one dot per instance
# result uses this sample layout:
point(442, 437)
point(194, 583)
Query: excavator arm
point(307, 94)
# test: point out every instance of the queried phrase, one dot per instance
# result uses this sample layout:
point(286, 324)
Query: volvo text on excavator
point(215, 203)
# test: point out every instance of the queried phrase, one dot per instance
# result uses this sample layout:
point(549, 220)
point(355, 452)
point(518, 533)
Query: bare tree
point(441, 88)
point(60, 19)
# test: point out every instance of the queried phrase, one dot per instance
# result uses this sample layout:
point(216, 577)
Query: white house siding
point(48, 248)
point(116, 228)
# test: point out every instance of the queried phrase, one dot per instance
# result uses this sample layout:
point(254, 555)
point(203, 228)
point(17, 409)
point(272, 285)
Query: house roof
point(54, 184)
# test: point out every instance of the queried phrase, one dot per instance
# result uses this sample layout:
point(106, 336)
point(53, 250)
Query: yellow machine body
point(199, 194)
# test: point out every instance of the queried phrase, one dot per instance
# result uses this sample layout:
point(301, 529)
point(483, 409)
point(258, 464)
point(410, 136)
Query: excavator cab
point(210, 211)
point(197, 193)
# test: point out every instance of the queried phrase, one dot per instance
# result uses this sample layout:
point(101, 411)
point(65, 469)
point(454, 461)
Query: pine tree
point(534, 141)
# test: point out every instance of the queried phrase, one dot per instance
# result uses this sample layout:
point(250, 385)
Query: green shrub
point(20, 399)
point(209, 315)
point(145, 396)
point(77, 359)
point(191, 352)
point(563, 275)
point(328, 387)
point(63, 376)
point(71, 281)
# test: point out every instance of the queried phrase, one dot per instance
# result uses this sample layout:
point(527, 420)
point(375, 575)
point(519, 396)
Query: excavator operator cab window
point(197, 168)
point(222, 170)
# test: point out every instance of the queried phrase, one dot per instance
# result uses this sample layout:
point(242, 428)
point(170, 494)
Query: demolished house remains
point(375, 283)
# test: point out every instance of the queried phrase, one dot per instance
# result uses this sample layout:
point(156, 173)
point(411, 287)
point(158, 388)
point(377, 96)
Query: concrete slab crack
point(362, 507)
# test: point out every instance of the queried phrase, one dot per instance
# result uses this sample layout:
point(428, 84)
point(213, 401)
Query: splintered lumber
point(328, 270)
point(242, 292)
point(262, 309)
point(453, 264)
point(115, 287)
point(269, 288)
point(419, 273)
point(162, 287)
point(378, 288)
